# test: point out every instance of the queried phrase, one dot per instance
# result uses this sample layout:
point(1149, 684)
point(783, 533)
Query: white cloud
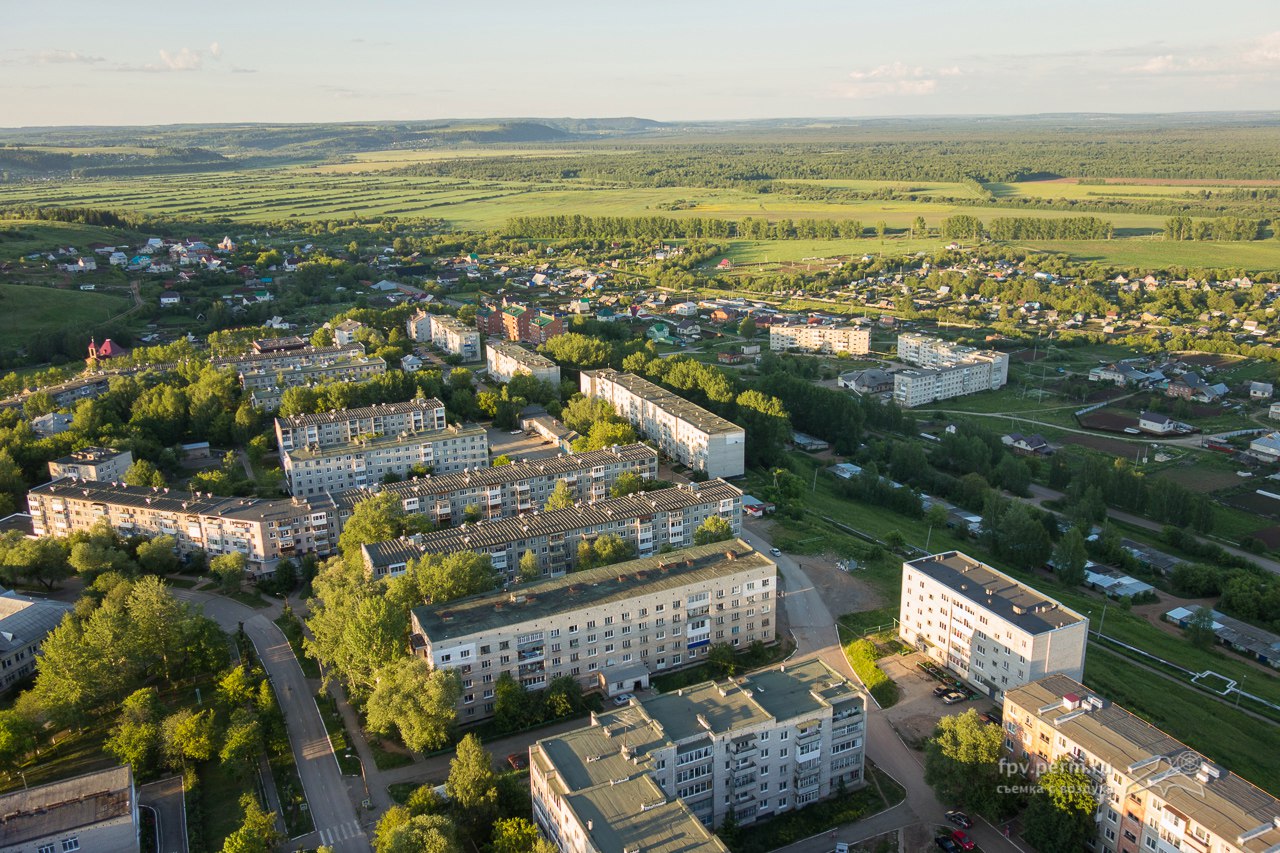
point(896, 79)
point(1264, 52)
point(56, 56)
point(184, 60)
point(1157, 65)
point(1254, 55)
point(215, 50)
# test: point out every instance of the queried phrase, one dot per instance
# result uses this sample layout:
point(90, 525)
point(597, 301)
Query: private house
point(1274, 412)
point(170, 299)
point(1260, 390)
point(1266, 447)
point(1156, 423)
point(1028, 445)
point(411, 363)
point(870, 381)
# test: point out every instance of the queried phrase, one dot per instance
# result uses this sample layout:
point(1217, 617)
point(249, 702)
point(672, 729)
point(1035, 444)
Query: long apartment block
point(683, 431)
point(1158, 795)
point(647, 522)
point(284, 359)
point(992, 630)
point(659, 773)
point(341, 427)
point(362, 462)
point(607, 628)
point(267, 387)
point(512, 489)
point(946, 370)
point(264, 531)
point(813, 338)
point(505, 359)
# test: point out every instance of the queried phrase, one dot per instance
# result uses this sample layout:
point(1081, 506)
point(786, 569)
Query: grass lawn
point(181, 583)
point(1225, 735)
point(291, 627)
point(1156, 254)
point(75, 753)
point(249, 597)
point(867, 621)
point(20, 237)
point(31, 311)
point(348, 761)
point(220, 794)
point(385, 759)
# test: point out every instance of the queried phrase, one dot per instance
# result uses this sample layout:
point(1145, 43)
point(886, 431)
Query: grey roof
point(500, 531)
point(524, 356)
point(179, 502)
point(26, 620)
point(283, 355)
point(997, 592)
point(359, 445)
point(594, 587)
point(376, 411)
point(668, 401)
point(71, 804)
point(562, 465)
point(92, 455)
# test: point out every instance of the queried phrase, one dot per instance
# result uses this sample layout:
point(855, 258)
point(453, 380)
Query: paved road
point(1040, 494)
point(337, 823)
point(164, 798)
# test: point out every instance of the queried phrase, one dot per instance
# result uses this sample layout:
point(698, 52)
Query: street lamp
point(1242, 678)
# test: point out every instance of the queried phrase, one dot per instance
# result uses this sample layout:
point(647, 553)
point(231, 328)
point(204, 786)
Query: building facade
point(511, 489)
point(647, 522)
point(683, 431)
point(275, 360)
point(94, 812)
point(327, 429)
point(24, 623)
point(264, 531)
point(455, 337)
point(607, 628)
point(993, 631)
point(505, 359)
point(754, 747)
point(267, 387)
point(519, 323)
point(807, 338)
point(93, 463)
point(1156, 795)
point(947, 370)
point(318, 470)
point(418, 327)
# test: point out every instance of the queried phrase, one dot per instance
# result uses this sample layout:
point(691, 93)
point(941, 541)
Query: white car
point(515, 432)
point(775, 552)
point(623, 699)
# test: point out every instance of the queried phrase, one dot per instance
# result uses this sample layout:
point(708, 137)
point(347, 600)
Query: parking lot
point(519, 447)
point(916, 714)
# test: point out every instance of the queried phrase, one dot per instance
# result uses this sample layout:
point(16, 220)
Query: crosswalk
point(343, 832)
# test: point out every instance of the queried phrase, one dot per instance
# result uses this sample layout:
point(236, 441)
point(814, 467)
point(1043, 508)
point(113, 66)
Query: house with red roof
point(107, 349)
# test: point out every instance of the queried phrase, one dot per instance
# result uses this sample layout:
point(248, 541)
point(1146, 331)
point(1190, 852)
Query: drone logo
point(1162, 774)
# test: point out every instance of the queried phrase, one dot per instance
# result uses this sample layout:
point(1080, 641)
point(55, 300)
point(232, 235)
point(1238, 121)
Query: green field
point(1154, 253)
point(30, 311)
point(20, 237)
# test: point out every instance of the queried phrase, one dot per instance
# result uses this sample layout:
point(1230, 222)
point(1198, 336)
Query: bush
point(862, 656)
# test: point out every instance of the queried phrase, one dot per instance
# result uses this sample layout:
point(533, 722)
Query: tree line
point(576, 226)
point(1222, 228)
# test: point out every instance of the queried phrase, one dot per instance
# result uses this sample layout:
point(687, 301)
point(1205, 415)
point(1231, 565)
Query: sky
point(136, 62)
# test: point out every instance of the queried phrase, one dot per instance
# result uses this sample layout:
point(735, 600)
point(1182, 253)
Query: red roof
point(110, 349)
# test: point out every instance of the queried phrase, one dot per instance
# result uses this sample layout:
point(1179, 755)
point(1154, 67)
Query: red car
point(518, 760)
point(962, 839)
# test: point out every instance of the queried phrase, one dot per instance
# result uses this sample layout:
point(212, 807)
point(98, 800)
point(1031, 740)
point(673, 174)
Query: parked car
point(959, 818)
point(775, 552)
point(962, 839)
point(622, 699)
point(518, 760)
point(515, 432)
point(953, 697)
point(989, 718)
point(941, 690)
point(946, 845)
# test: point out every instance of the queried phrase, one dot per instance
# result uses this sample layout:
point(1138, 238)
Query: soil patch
point(1097, 442)
point(843, 592)
point(1110, 421)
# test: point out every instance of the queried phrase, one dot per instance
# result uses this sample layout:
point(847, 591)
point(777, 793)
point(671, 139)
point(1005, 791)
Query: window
point(45, 848)
point(69, 844)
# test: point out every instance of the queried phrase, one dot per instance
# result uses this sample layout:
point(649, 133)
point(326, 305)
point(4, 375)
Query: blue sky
point(75, 62)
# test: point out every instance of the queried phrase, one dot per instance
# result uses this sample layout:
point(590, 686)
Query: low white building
point(103, 464)
point(1156, 423)
point(988, 628)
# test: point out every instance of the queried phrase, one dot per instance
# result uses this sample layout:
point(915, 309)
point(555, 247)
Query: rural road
point(337, 823)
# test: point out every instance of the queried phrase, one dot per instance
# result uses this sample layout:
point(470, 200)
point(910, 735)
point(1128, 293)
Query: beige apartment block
point(947, 370)
point(993, 631)
point(807, 338)
point(342, 427)
point(660, 772)
point(267, 387)
point(505, 359)
point(454, 336)
point(1156, 794)
point(687, 433)
point(608, 628)
point(93, 463)
point(648, 522)
point(317, 470)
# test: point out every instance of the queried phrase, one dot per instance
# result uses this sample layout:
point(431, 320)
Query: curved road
point(337, 823)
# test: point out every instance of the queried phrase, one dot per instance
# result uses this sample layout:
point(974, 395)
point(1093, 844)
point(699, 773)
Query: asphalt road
point(337, 823)
point(164, 798)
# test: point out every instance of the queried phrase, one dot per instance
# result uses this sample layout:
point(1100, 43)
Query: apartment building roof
point(564, 464)
point(1227, 805)
point(71, 804)
point(591, 588)
point(670, 402)
point(996, 592)
point(453, 323)
point(24, 619)
point(417, 437)
point(346, 360)
point(90, 456)
point(521, 354)
point(257, 357)
point(178, 502)
point(375, 411)
point(636, 815)
point(488, 534)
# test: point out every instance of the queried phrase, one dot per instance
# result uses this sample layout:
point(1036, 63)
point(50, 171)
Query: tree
point(604, 434)
point(919, 228)
point(518, 835)
point(158, 556)
point(1059, 815)
point(1021, 538)
point(444, 577)
point(17, 738)
point(501, 461)
point(962, 763)
point(143, 473)
point(724, 658)
point(767, 424)
point(380, 518)
point(1200, 628)
point(561, 497)
point(1070, 558)
point(188, 736)
point(936, 515)
point(472, 786)
point(747, 328)
point(419, 702)
point(714, 529)
point(241, 742)
point(582, 412)
point(398, 832)
point(530, 568)
point(610, 548)
point(586, 556)
point(512, 704)
point(256, 833)
point(629, 484)
point(229, 570)
point(236, 687)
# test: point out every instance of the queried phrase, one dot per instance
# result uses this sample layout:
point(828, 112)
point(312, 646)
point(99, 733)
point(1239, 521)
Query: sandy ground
point(842, 592)
point(918, 710)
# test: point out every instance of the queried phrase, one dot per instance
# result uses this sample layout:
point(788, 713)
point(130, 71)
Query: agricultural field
point(1153, 253)
point(32, 311)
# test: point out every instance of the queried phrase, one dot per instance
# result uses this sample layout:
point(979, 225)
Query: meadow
point(31, 311)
